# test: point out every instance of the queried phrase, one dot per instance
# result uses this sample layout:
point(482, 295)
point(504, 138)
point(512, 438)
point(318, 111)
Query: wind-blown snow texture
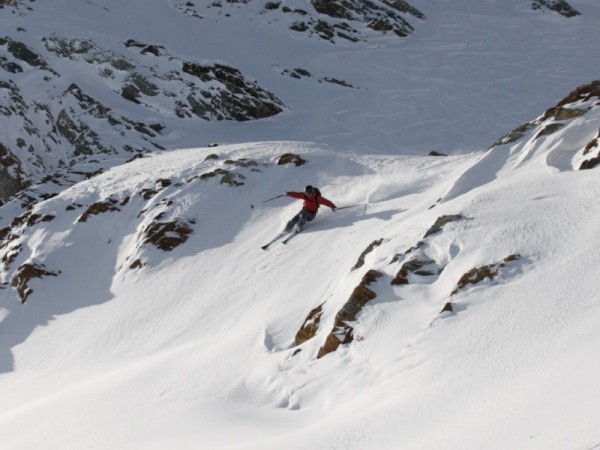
point(130, 346)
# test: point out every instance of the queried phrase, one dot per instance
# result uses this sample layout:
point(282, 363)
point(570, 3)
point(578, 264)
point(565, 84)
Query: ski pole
point(351, 206)
point(268, 200)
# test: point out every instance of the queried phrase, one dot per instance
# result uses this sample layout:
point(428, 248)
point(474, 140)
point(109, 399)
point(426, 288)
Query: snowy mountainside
point(66, 89)
point(452, 305)
point(79, 95)
point(470, 309)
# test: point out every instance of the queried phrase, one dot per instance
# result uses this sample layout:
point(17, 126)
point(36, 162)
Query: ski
point(290, 235)
point(287, 239)
point(279, 236)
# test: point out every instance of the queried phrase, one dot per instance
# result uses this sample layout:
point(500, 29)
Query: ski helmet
point(308, 190)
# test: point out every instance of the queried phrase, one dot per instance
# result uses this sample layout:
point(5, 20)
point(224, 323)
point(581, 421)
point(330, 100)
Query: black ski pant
point(299, 220)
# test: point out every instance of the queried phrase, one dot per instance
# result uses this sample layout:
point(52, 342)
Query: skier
point(312, 200)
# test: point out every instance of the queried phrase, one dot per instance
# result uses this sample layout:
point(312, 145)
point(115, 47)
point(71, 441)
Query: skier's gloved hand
point(334, 208)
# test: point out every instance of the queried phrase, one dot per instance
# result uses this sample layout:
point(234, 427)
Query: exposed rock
point(99, 208)
point(310, 327)
point(227, 177)
point(168, 235)
point(37, 218)
point(594, 143)
point(290, 158)
point(590, 163)
point(24, 274)
point(10, 179)
point(447, 308)
point(342, 332)
point(560, 6)
point(241, 100)
point(62, 133)
point(20, 51)
point(84, 139)
point(137, 264)
point(422, 267)
point(478, 274)
point(297, 73)
point(549, 129)
point(440, 222)
point(369, 249)
point(131, 93)
point(148, 193)
point(152, 49)
point(514, 135)
point(582, 93)
point(10, 254)
point(242, 162)
point(564, 110)
point(382, 16)
point(561, 113)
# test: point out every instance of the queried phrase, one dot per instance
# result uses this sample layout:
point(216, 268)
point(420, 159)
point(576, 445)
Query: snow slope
point(195, 349)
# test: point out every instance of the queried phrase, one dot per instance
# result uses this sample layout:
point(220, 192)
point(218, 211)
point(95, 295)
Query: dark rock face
point(422, 267)
point(70, 126)
point(99, 208)
point(590, 163)
point(241, 100)
point(310, 327)
point(567, 109)
point(290, 158)
point(441, 222)
point(382, 16)
point(560, 6)
point(582, 93)
point(342, 332)
point(23, 53)
point(168, 235)
point(479, 274)
point(361, 259)
point(24, 274)
point(346, 18)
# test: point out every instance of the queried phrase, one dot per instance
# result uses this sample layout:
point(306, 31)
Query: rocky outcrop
point(440, 223)
point(70, 126)
point(310, 327)
point(479, 274)
point(348, 17)
point(574, 105)
point(241, 99)
point(560, 6)
point(361, 259)
point(166, 235)
point(422, 267)
point(25, 274)
point(343, 332)
point(290, 158)
point(334, 20)
point(100, 207)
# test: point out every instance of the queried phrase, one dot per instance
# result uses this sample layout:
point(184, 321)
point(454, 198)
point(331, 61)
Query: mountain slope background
point(453, 305)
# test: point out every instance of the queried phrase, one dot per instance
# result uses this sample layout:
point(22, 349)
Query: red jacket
point(311, 204)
